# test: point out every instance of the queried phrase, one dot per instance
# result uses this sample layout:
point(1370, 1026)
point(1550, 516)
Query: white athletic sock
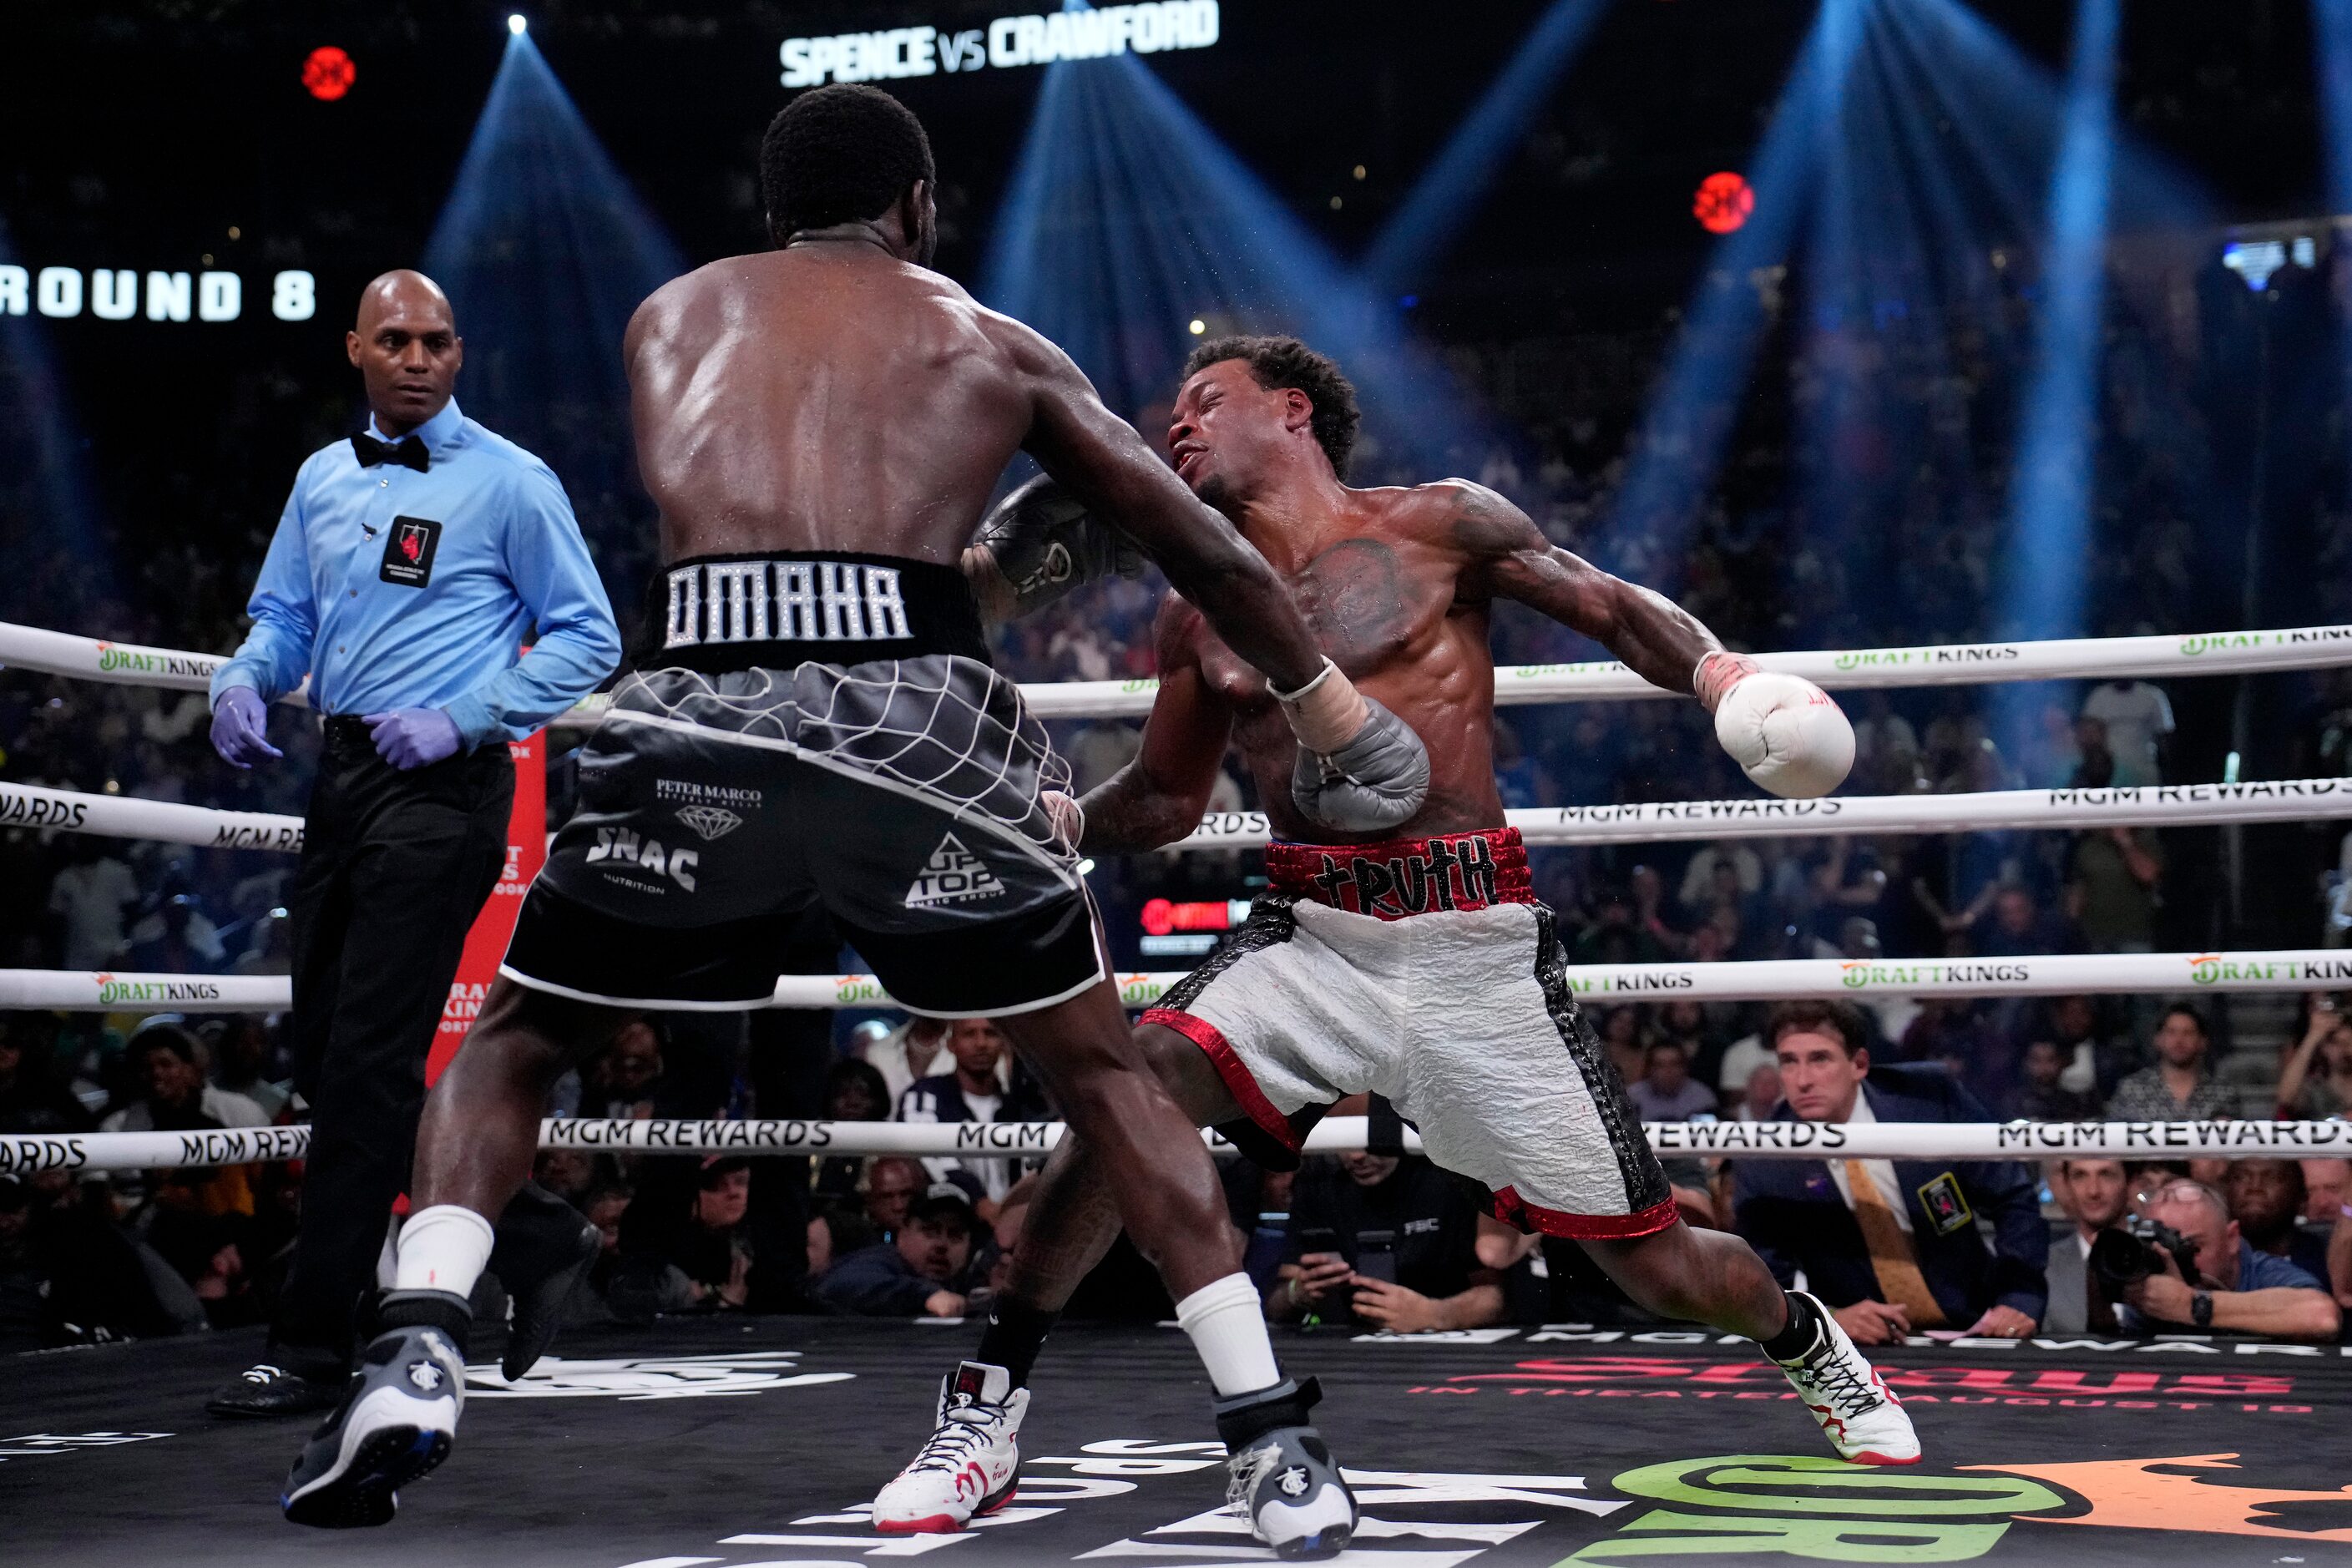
point(443, 1247)
point(1227, 1323)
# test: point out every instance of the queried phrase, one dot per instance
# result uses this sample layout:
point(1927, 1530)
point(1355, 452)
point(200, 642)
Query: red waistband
point(1406, 876)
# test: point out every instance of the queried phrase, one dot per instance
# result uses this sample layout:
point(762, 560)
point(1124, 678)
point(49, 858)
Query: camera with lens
point(2132, 1251)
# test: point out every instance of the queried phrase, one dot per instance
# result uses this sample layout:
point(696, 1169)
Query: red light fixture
point(1723, 202)
point(329, 73)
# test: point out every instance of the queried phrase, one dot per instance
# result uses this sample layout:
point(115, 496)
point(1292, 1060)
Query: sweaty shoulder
point(1472, 517)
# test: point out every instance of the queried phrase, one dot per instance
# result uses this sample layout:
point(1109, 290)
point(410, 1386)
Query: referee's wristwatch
point(2200, 1308)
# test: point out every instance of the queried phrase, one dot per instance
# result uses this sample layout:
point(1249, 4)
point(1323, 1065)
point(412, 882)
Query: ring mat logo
point(1822, 1509)
point(662, 1377)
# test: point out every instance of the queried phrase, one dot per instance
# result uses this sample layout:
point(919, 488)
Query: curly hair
point(839, 155)
point(1281, 362)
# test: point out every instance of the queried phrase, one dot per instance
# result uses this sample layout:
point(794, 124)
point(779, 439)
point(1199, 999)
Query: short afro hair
point(841, 154)
point(1279, 362)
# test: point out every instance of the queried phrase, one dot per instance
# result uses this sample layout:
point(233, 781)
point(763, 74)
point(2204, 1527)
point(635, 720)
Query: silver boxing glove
point(1038, 543)
point(1361, 768)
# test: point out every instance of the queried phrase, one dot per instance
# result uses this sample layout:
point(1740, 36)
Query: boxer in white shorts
point(1419, 965)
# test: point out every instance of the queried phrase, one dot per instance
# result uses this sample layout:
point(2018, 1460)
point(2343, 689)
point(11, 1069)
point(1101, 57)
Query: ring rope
point(1764, 980)
point(22, 1153)
point(1959, 664)
point(1762, 817)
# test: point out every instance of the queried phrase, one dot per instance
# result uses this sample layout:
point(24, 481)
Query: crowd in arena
point(173, 1251)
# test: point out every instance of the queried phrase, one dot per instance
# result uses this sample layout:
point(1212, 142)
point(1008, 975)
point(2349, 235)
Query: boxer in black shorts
point(822, 427)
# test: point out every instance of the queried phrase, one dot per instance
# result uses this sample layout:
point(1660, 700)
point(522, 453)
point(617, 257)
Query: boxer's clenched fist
point(1785, 733)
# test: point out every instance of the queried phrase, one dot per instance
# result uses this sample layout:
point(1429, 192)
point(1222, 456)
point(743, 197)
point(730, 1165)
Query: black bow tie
point(408, 451)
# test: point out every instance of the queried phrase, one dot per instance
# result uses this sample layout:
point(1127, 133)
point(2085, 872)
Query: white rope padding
point(23, 1153)
point(1769, 980)
point(165, 821)
point(1963, 664)
point(1763, 817)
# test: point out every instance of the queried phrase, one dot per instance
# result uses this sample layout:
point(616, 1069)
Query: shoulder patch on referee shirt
point(1942, 1200)
point(408, 551)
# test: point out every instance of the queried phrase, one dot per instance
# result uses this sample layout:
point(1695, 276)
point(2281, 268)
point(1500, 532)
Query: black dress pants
point(394, 868)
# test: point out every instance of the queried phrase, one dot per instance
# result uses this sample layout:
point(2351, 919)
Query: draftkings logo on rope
point(892, 54)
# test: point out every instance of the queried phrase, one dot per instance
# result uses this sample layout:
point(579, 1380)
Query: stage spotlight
point(328, 73)
point(545, 251)
point(2050, 497)
point(1126, 220)
point(1448, 189)
point(1723, 203)
point(517, 26)
point(1674, 459)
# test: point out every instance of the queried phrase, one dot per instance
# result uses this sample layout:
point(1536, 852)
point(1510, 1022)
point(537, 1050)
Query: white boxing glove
point(1785, 733)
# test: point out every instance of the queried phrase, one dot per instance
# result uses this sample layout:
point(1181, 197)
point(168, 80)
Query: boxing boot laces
point(1863, 1419)
point(395, 1423)
point(972, 1464)
point(1282, 1479)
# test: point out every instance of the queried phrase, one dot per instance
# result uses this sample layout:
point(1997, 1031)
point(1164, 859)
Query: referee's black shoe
point(267, 1389)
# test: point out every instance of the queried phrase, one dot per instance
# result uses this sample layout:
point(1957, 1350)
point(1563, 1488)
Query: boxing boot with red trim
point(1863, 1419)
point(972, 1462)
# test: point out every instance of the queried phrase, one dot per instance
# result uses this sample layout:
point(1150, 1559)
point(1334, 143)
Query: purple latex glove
point(240, 728)
point(413, 737)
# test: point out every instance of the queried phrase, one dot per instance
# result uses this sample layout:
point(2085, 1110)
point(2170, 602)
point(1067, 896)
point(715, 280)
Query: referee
point(410, 562)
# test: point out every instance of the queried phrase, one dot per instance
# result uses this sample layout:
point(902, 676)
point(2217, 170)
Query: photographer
point(2235, 1289)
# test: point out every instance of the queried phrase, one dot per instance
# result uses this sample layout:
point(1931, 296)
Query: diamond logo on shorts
point(709, 821)
point(954, 874)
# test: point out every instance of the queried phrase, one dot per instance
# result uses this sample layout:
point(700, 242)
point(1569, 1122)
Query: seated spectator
point(1625, 1039)
point(2237, 1290)
point(31, 1100)
point(1690, 1024)
point(2041, 1097)
point(2020, 928)
point(1759, 1094)
point(688, 1251)
point(871, 1212)
point(1387, 1241)
point(1664, 1091)
point(2266, 1198)
point(2096, 1061)
point(624, 1078)
point(2314, 1079)
point(854, 1091)
point(2327, 1189)
point(929, 1267)
point(2180, 1085)
point(68, 1276)
point(1891, 1246)
point(2138, 720)
point(973, 1092)
point(2095, 1194)
point(569, 1174)
point(241, 1052)
point(916, 1048)
point(175, 948)
point(1615, 936)
point(164, 1058)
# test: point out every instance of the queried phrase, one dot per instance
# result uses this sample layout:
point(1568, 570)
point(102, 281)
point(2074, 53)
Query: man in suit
point(2094, 1193)
point(1893, 1246)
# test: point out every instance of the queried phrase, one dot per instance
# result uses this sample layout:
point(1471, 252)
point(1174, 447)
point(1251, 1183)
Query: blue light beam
point(2047, 566)
point(1433, 212)
point(1127, 218)
point(545, 251)
point(1681, 442)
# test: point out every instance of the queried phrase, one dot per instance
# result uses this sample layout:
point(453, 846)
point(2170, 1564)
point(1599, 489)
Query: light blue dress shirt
point(340, 598)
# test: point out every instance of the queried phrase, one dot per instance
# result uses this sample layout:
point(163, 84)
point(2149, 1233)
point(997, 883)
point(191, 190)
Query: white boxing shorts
point(1425, 971)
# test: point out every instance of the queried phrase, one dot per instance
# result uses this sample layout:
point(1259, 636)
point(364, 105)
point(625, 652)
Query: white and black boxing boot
point(1283, 1479)
point(397, 1419)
